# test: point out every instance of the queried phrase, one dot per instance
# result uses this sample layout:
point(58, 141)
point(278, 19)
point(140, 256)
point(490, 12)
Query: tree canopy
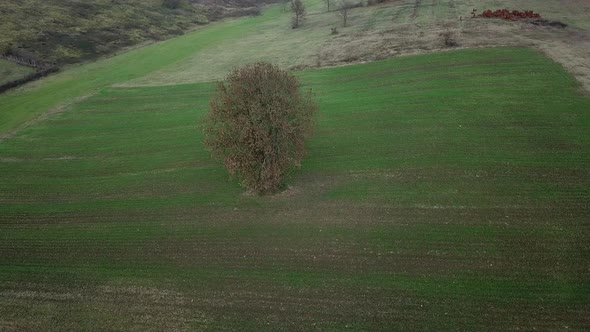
point(258, 123)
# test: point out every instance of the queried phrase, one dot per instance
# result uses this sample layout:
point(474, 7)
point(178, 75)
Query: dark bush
point(449, 39)
point(174, 4)
point(29, 78)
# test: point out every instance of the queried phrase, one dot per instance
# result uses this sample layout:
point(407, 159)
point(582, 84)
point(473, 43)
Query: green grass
point(16, 108)
point(210, 52)
point(444, 191)
point(10, 71)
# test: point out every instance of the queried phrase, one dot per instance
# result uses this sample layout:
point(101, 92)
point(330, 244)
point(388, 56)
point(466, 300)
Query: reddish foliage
point(509, 15)
point(257, 125)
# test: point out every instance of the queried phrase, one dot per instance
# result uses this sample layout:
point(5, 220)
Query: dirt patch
point(10, 160)
point(286, 193)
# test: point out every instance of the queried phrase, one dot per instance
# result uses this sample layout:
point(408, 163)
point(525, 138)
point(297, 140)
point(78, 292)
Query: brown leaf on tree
point(258, 123)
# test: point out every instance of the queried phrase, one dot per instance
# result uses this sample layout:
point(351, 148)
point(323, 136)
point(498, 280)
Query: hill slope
point(68, 31)
point(393, 28)
point(17, 108)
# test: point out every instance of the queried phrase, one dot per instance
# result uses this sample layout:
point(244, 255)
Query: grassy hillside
point(374, 32)
point(10, 71)
point(445, 191)
point(396, 27)
point(19, 107)
point(440, 191)
point(68, 31)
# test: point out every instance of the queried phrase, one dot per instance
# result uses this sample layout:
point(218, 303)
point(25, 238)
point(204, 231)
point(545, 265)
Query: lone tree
point(328, 4)
point(299, 13)
point(258, 123)
point(344, 10)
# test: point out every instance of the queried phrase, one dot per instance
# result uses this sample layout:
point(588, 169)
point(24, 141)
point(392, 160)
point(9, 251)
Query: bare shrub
point(258, 123)
point(299, 13)
point(344, 10)
point(449, 39)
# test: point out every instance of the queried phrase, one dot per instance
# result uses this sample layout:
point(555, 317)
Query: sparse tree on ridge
point(299, 13)
point(257, 124)
point(344, 10)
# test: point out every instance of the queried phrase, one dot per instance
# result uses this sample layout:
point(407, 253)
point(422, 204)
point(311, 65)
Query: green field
point(10, 71)
point(63, 89)
point(447, 191)
point(210, 52)
point(440, 191)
